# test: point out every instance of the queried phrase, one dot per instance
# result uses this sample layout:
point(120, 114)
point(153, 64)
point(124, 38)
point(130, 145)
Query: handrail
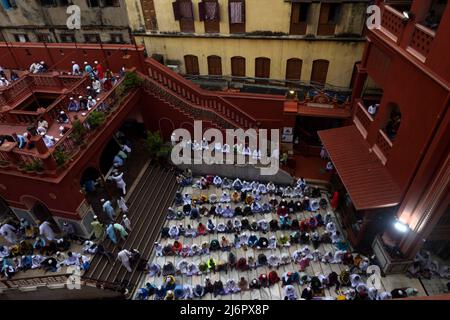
point(11, 283)
point(196, 95)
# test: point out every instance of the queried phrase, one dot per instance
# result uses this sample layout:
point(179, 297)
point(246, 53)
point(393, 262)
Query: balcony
point(50, 161)
point(421, 42)
point(363, 120)
point(419, 38)
point(392, 24)
point(383, 146)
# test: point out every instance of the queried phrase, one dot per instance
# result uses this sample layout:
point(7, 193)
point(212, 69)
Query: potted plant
point(96, 119)
point(156, 146)
point(61, 157)
point(78, 132)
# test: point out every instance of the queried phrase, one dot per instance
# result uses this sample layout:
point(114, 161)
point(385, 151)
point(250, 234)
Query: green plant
point(155, 145)
point(34, 166)
point(78, 132)
point(60, 156)
point(130, 81)
point(96, 119)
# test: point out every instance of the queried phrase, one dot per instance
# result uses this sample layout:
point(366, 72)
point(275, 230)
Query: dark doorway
point(306, 129)
point(107, 157)
point(319, 72)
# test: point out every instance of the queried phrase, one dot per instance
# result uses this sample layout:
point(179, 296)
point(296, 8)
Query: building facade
point(308, 41)
point(393, 163)
point(102, 21)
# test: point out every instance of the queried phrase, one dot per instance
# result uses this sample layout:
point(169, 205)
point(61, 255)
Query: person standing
point(108, 209)
point(98, 228)
point(126, 223)
point(111, 233)
point(118, 178)
point(121, 203)
point(75, 69)
point(46, 231)
point(123, 233)
point(9, 233)
point(124, 256)
point(99, 70)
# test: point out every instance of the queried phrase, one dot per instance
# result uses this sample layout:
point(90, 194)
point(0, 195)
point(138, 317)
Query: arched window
point(319, 72)
point(294, 69)
point(191, 64)
point(214, 66)
point(262, 68)
point(238, 66)
point(393, 122)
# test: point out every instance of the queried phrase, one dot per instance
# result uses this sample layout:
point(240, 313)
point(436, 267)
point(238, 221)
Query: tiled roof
point(366, 179)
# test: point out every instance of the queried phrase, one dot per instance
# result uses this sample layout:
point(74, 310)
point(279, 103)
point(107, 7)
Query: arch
point(391, 125)
point(319, 71)
point(294, 69)
point(238, 66)
point(262, 67)
point(191, 64)
point(38, 209)
point(107, 155)
point(5, 210)
point(166, 127)
point(214, 65)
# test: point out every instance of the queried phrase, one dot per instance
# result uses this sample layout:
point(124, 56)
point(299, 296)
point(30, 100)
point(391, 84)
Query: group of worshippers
point(38, 67)
point(100, 78)
point(4, 82)
point(424, 266)
point(253, 235)
point(217, 147)
point(38, 247)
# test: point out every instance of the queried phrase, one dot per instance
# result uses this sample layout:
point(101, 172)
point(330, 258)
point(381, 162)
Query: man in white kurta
point(124, 257)
point(118, 178)
point(9, 233)
point(46, 231)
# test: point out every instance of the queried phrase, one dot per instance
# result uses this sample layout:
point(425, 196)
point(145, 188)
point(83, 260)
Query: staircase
point(147, 207)
point(192, 101)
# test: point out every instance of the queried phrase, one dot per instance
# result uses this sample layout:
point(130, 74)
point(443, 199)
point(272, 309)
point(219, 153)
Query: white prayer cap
point(73, 61)
point(61, 128)
point(102, 200)
point(96, 62)
point(71, 98)
point(85, 62)
point(61, 112)
point(95, 217)
point(90, 97)
point(88, 87)
point(124, 215)
point(80, 97)
point(42, 62)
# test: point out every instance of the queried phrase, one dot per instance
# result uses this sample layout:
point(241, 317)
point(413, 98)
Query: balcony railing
point(392, 21)
point(383, 146)
point(422, 40)
point(363, 119)
point(14, 159)
point(197, 97)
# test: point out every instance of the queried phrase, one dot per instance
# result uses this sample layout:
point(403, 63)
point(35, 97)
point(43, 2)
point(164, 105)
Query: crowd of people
point(238, 214)
point(39, 247)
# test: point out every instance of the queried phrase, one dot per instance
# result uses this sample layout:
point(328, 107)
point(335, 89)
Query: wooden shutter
point(176, 10)
point(319, 72)
point(214, 66)
point(211, 26)
point(149, 13)
point(191, 64)
point(237, 27)
point(297, 27)
point(325, 27)
point(238, 66)
point(294, 69)
point(262, 69)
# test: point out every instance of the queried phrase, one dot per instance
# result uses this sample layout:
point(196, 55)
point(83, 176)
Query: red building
point(393, 163)
point(396, 162)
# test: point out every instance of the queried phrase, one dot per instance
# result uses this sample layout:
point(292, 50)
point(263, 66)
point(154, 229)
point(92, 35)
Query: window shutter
point(201, 11)
point(176, 10)
point(324, 13)
point(217, 12)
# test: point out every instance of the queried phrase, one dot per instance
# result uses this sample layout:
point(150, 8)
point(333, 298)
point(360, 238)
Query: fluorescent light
point(400, 226)
point(406, 14)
